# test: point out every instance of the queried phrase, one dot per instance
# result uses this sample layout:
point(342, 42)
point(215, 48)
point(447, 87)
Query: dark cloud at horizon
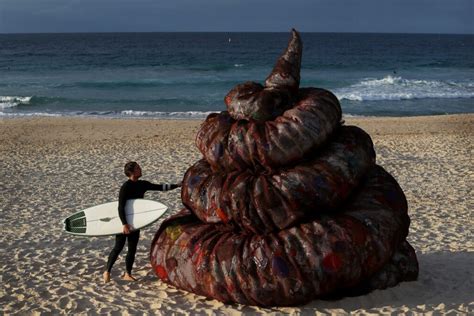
point(399, 16)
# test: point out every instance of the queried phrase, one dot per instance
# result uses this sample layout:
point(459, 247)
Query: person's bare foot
point(106, 277)
point(128, 277)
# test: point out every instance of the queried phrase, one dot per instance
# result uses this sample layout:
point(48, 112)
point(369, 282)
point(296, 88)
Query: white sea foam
point(27, 114)
point(110, 114)
point(398, 88)
point(128, 113)
point(186, 114)
point(344, 116)
point(12, 101)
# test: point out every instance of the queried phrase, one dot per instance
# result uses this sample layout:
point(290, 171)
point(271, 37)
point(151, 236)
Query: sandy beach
point(53, 167)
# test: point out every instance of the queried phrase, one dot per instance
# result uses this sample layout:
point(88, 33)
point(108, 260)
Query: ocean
point(187, 75)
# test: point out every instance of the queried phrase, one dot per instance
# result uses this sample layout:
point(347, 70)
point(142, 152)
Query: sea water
point(187, 75)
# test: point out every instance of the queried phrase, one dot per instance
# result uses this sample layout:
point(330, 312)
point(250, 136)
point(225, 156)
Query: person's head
point(133, 170)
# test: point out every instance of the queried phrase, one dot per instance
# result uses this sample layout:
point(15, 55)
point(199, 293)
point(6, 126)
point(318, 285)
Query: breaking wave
point(13, 101)
point(398, 88)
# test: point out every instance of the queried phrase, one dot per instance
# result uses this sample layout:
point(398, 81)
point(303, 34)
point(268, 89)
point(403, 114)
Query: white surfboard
point(103, 219)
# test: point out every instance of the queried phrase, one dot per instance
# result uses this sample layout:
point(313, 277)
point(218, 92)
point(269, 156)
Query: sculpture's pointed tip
point(286, 73)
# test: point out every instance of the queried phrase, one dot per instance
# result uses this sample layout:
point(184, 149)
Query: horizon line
point(319, 32)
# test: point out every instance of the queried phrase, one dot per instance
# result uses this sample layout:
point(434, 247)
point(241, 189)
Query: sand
point(53, 167)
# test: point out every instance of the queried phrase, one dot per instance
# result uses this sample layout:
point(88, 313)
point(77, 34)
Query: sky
point(377, 16)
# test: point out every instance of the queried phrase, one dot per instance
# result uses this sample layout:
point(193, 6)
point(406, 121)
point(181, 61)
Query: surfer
point(131, 189)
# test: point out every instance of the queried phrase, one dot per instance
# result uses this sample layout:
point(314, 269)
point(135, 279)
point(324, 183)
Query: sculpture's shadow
point(445, 281)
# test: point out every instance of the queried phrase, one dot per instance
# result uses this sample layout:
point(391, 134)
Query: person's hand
point(126, 229)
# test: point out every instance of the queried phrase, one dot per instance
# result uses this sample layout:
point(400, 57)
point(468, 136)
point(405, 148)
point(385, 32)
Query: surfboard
point(104, 220)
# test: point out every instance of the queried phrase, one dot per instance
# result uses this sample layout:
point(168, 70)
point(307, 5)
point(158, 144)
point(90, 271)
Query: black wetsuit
point(131, 190)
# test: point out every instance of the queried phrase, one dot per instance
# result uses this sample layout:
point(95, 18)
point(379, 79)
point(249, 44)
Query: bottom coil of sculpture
point(360, 248)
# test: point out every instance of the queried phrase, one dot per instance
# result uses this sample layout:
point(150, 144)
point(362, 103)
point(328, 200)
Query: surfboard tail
point(76, 224)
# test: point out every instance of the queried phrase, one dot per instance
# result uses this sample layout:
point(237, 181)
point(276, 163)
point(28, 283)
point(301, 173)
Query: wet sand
point(53, 167)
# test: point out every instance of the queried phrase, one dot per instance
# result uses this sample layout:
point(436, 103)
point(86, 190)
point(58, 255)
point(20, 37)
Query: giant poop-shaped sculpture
point(287, 204)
